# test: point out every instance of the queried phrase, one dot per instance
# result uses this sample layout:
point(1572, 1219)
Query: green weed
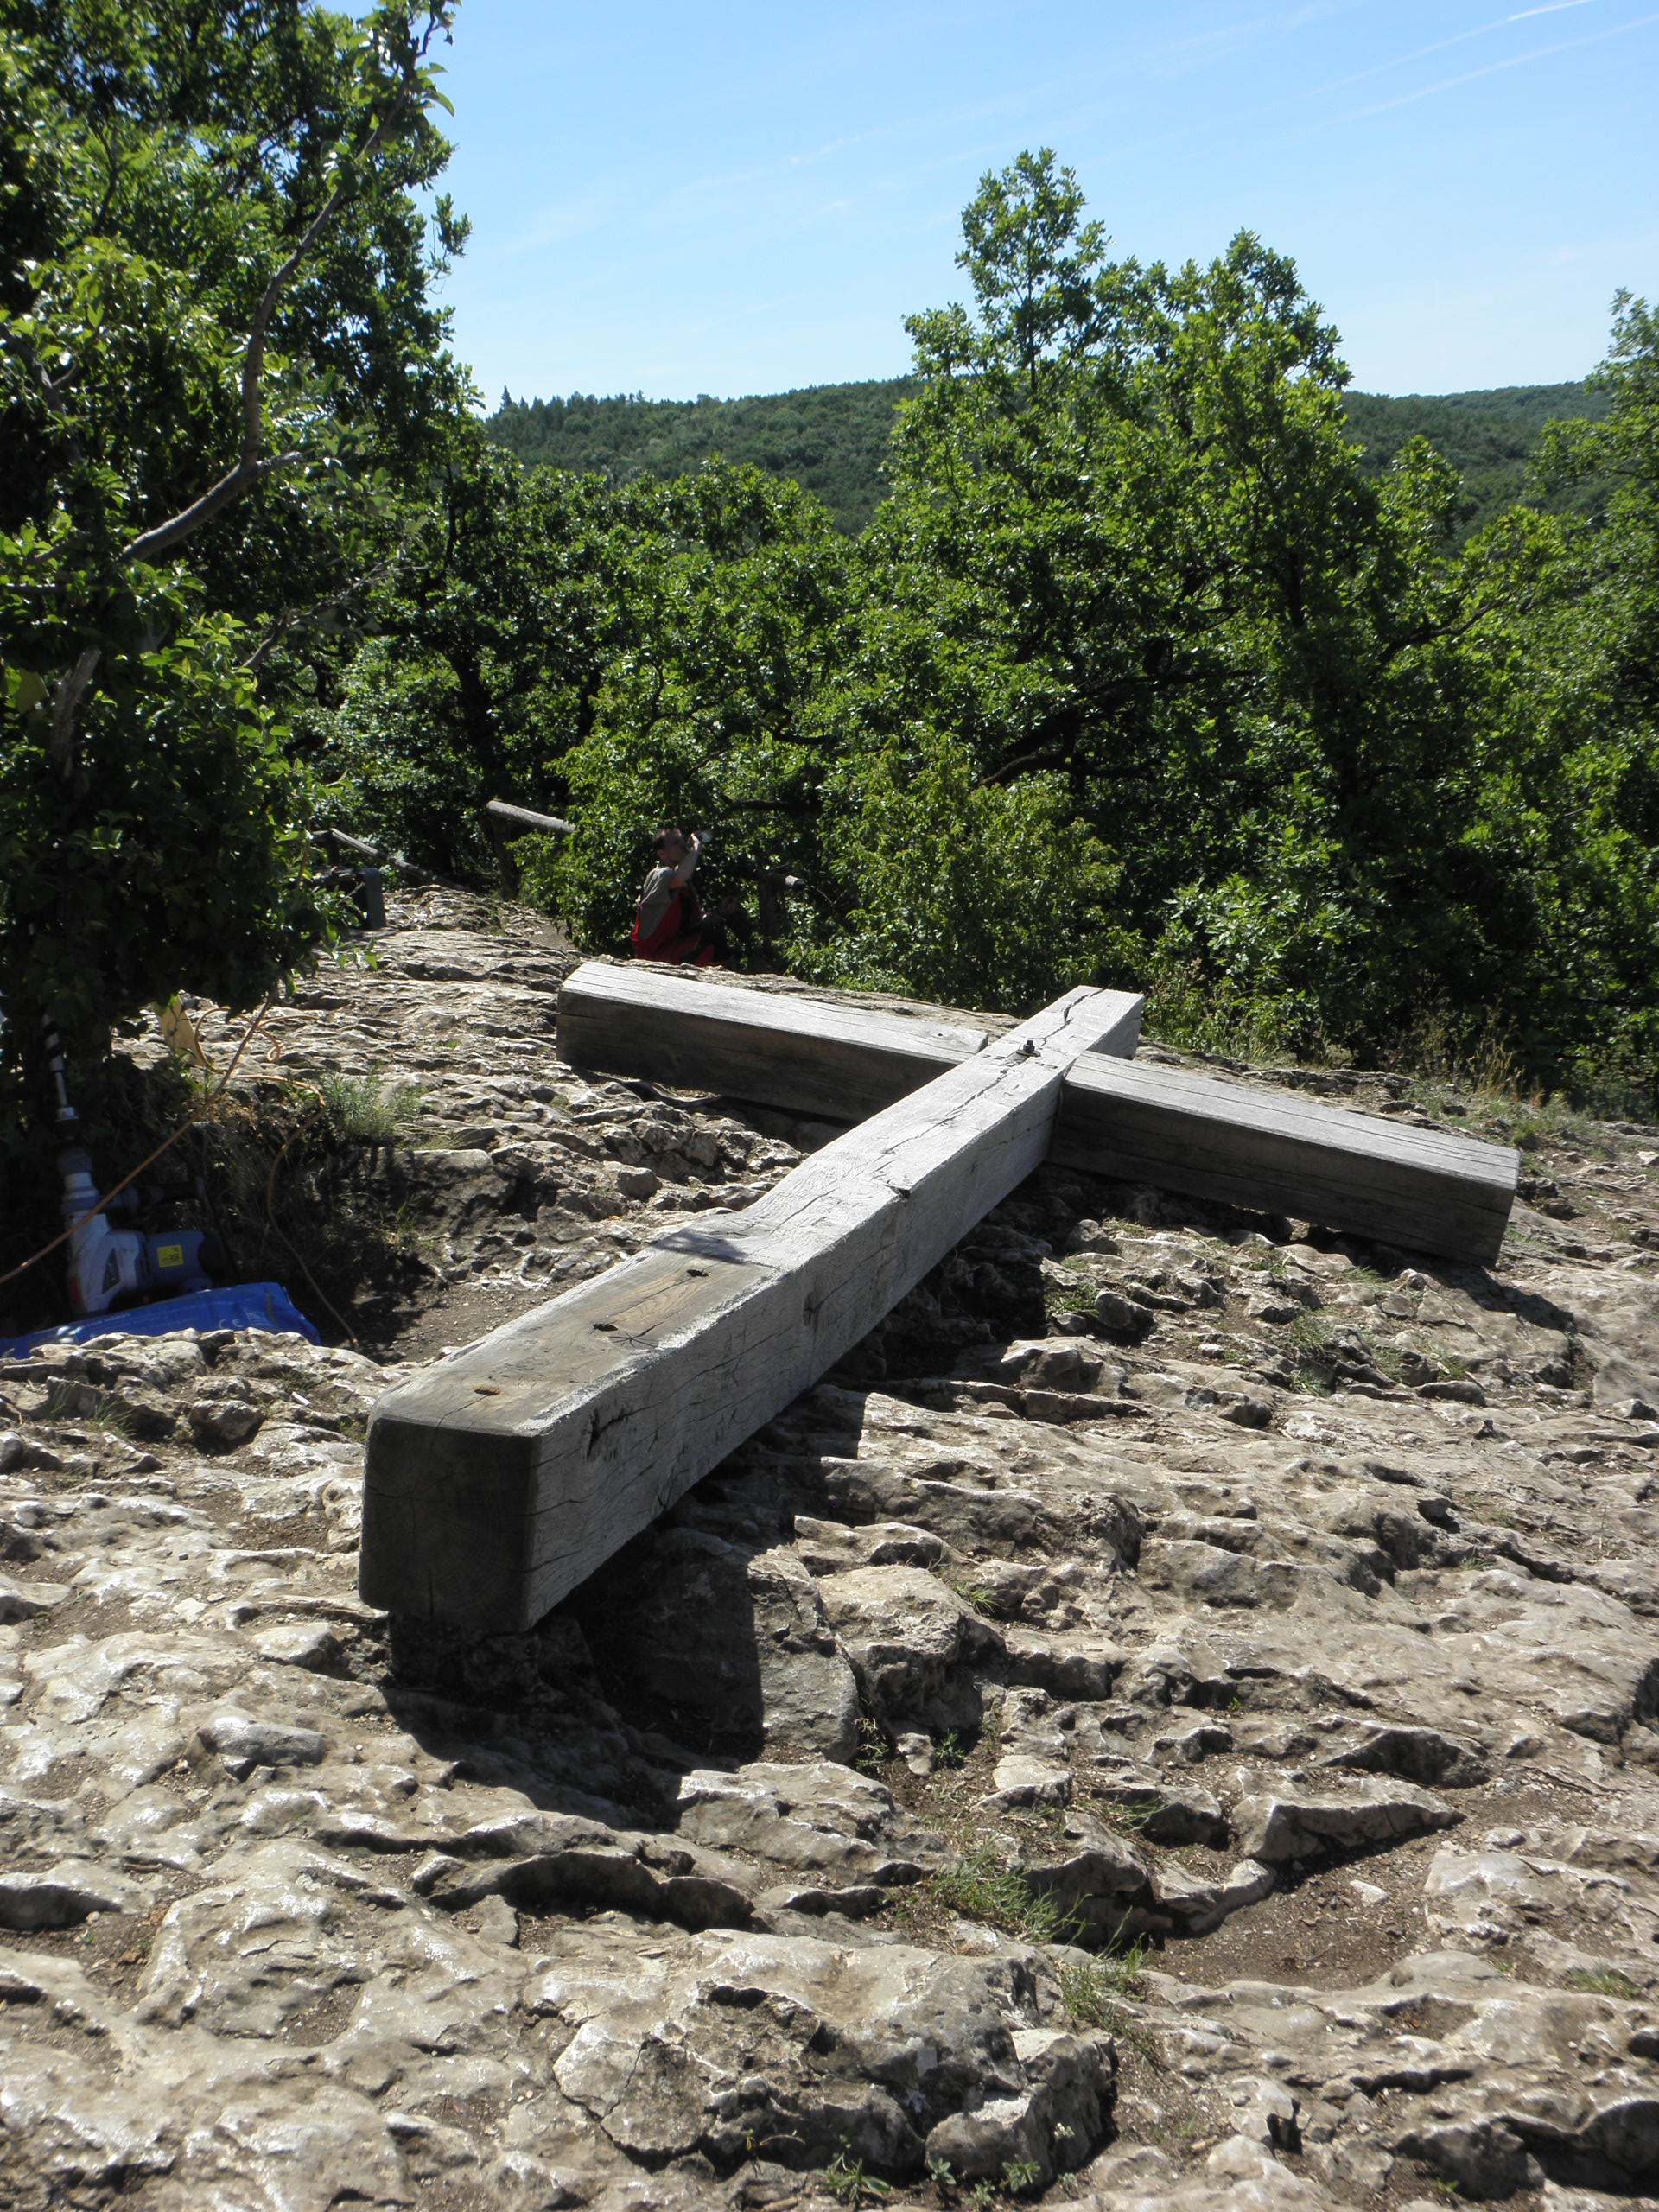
point(979, 1888)
point(982, 1600)
point(1310, 1335)
point(1126, 1813)
point(1093, 1993)
point(368, 1109)
point(950, 1750)
point(1603, 1981)
point(77, 1402)
point(848, 2183)
point(1021, 2175)
point(873, 1749)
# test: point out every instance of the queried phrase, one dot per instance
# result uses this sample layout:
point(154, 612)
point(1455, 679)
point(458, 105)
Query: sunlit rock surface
point(1174, 1722)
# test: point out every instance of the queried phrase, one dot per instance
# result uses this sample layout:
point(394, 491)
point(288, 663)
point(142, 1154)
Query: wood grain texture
point(839, 1062)
point(1425, 1191)
point(497, 1480)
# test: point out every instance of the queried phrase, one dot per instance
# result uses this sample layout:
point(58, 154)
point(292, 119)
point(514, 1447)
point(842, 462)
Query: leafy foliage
point(219, 369)
point(1492, 439)
point(1143, 671)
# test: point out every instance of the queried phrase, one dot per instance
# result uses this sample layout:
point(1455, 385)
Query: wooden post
point(507, 824)
point(1423, 1190)
point(497, 1480)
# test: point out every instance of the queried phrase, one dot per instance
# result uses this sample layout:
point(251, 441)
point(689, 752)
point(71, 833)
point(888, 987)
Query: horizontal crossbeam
point(1425, 1191)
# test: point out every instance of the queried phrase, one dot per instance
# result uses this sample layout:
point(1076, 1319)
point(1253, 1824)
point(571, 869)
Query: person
point(669, 923)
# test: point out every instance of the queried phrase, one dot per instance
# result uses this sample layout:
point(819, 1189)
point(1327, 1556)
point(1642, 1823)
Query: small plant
point(873, 1749)
point(950, 1750)
point(365, 1107)
point(1021, 2175)
point(1130, 1813)
point(1080, 1301)
point(1093, 1993)
point(977, 1594)
point(1310, 1335)
point(979, 1888)
point(848, 2183)
point(941, 2174)
point(981, 2195)
point(1603, 1981)
point(74, 1402)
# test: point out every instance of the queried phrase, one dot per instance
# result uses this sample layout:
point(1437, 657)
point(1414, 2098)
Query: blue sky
point(742, 198)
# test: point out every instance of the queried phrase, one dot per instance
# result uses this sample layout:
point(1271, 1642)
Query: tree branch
point(250, 467)
point(301, 616)
point(66, 705)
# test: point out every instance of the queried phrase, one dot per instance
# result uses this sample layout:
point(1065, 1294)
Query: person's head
point(670, 845)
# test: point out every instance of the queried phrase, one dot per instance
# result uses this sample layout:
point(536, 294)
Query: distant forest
point(833, 438)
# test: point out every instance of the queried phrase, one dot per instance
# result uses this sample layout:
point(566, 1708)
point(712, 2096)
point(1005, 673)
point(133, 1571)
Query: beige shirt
point(660, 886)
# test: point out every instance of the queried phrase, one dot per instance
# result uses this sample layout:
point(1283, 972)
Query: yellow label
point(169, 1255)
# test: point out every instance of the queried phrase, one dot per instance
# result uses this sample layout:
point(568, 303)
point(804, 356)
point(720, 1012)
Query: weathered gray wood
point(1423, 1190)
point(521, 821)
point(811, 1056)
point(497, 1480)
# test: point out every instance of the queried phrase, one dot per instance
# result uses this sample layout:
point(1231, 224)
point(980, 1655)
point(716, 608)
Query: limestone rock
point(733, 1867)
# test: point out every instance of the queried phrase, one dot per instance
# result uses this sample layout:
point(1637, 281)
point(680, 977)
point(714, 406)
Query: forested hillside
point(834, 438)
point(1491, 439)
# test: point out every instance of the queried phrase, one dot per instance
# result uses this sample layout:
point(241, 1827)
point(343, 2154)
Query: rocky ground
point(1174, 1722)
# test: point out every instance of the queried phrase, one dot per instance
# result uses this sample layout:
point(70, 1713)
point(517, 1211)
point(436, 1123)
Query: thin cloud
point(1494, 68)
point(1227, 38)
point(555, 226)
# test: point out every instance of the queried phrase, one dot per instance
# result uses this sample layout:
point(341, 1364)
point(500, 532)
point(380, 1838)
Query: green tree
point(737, 601)
point(511, 596)
point(1570, 798)
point(1131, 548)
point(220, 365)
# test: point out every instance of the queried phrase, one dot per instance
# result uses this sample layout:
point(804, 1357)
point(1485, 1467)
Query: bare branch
point(66, 705)
point(301, 617)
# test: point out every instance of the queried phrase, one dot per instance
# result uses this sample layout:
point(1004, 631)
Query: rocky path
point(1174, 1722)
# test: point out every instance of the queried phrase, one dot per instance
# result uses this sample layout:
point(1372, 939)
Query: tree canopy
point(1142, 670)
point(221, 371)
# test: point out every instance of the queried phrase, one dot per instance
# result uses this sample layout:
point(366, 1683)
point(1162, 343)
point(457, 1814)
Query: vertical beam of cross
point(497, 1480)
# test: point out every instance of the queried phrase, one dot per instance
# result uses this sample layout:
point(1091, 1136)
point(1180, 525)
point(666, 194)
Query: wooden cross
point(499, 1479)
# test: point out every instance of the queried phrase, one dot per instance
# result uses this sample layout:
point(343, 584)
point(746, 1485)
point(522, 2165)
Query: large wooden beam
point(830, 1058)
point(497, 1480)
point(1423, 1190)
